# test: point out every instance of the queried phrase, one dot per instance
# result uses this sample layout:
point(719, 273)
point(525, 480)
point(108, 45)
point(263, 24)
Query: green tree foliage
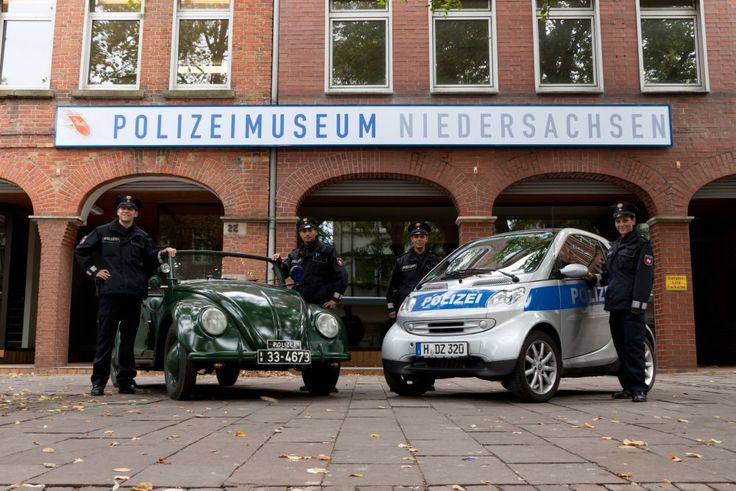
point(203, 45)
point(114, 52)
point(359, 53)
point(566, 51)
point(669, 51)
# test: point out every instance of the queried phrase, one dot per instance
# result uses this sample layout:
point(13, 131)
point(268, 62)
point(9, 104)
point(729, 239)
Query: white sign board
point(361, 125)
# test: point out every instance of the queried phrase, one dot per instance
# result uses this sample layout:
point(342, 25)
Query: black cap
point(306, 222)
point(128, 201)
point(624, 209)
point(419, 228)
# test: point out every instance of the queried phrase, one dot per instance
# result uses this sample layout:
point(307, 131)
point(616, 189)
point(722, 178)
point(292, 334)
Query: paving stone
point(456, 470)
point(360, 475)
point(693, 486)
point(543, 453)
point(586, 473)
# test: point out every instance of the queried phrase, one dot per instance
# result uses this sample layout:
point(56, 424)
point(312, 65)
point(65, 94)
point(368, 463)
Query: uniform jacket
point(324, 275)
point(129, 254)
point(409, 268)
point(629, 273)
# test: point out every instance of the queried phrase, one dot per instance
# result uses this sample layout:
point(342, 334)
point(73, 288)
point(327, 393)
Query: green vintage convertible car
point(223, 312)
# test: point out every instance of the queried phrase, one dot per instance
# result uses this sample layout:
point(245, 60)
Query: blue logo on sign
point(460, 299)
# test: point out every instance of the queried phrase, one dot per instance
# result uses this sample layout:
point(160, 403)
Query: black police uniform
point(629, 276)
point(409, 268)
point(324, 273)
point(131, 257)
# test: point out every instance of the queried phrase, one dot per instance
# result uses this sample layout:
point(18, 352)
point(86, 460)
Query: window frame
point(89, 18)
point(465, 14)
point(358, 15)
point(701, 51)
point(592, 13)
point(200, 14)
point(51, 17)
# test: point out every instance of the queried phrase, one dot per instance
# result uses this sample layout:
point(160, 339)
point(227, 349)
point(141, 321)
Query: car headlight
point(327, 325)
point(213, 321)
point(506, 297)
point(408, 304)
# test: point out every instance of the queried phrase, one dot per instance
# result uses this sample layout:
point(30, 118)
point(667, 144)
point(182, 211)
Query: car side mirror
point(296, 273)
point(154, 283)
point(574, 271)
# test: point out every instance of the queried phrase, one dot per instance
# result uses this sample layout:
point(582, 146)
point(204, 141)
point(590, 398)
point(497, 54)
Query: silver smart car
point(511, 308)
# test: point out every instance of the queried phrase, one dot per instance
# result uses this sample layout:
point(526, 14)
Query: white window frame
point(592, 13)
point(200, 14)
point(50, 17)
point(358, 15)
point(488, 15)
point(697, 14)
point(90, 17)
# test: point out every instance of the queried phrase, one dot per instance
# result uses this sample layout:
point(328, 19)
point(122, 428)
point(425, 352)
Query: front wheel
point(227, 375)
point(650, 370)
point(538, 369)
point(179, 373)
point(321, 378)
point(408, 385)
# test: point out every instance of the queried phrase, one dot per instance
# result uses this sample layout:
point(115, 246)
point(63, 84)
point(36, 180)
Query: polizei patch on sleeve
point(648, 260)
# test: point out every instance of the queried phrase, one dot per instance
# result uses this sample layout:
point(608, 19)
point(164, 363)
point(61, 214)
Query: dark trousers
point(123, 312)
point(629, 332)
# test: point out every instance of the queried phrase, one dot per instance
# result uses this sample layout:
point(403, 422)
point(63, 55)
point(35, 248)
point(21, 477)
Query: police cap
point(128, 202)
point(419, 228)
point(624, 209)
point(305, 223)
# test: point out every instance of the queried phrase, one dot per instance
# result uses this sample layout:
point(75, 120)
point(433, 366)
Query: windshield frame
point(171, 276)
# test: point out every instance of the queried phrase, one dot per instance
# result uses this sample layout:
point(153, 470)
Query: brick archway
point(701, 174)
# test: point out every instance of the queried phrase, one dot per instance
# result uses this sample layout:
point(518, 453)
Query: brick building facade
point(686, 191)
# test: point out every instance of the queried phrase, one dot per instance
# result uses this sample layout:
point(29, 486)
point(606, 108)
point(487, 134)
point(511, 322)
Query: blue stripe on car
point(567, 296)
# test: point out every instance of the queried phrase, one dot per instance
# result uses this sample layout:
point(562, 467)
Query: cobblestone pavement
point(264, 433)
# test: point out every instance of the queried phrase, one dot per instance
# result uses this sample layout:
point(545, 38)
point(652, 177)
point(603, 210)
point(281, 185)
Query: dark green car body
point(264, 325)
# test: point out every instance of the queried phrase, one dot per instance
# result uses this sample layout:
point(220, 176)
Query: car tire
point(507, 384)
point(179, 373)
point(227, 375)
point(538, 369)
point(650, 358)
point(408, 385)
point(321, 378)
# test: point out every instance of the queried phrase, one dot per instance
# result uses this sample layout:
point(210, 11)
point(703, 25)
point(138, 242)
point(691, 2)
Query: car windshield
point(508, 253)
point(216, 265)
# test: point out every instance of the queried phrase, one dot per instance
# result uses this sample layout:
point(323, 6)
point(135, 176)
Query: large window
point(359, 46)
point(202, 44)
point(26, 30)
point(568, 52)
point(113, 41)
point(463, 48)
point(672, 46)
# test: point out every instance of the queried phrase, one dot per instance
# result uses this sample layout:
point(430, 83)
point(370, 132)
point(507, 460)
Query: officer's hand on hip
point(330, 304)
point(103, 274)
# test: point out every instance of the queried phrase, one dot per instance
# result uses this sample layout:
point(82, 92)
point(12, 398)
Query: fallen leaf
point(78, 461)
point(161, 460)
point(356, 474)
point(634, 443)
point(470, 458)
point(142, 486)
point(406, 466)
point(713, 441)
point(278, 430)
point(318, 470)
point(413, 450)
point(588, 425)
point(114, 444)
point(48, 450)
point(109, 432)
point(694, 455)
point(269, 399)
point(623, 475)
point(409, 458)
point(606, 438)
point(375, 435)
point(675, 458)
point(404, 445)
point(457, 487)
point(293, 457)
point(121, 469)
point(323, 457)
point(26, 485)
point(49, 465)
point(681, 420)
point(239, 434)
point(120, 478)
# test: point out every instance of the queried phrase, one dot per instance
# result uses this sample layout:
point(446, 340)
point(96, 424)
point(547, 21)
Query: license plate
point(283, 357)
point(442, 350)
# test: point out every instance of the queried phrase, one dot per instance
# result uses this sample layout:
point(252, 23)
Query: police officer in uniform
point(629, 276)
point(410, 267)
point(325, 280)
point(128, 257)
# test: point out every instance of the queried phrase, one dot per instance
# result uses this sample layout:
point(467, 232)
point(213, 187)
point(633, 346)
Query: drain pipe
point(272, 152)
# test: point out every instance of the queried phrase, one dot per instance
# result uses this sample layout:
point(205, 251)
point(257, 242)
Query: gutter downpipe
point(273, 151)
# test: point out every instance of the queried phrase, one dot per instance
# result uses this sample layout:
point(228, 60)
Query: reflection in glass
point(570, 4)
point(668, 46)
point(462, 55)
point(475, 4)
point(115, 5)
point(203, 4)
point(203, 52)
point(113, 58)
point(566, 51)
point(41, 7)
point(24, 41)
point(359, 53)
point(357, 5)
point(667, 4)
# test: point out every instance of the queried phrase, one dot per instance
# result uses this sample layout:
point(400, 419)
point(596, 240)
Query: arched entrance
point(712, 239)
point(175, 212)
point(18, 277)
point(366, 219)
